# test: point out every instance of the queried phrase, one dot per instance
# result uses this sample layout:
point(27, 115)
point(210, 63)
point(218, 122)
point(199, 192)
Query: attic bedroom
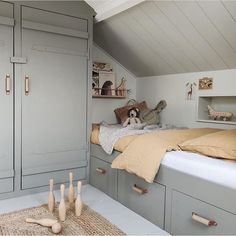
point(118, 117)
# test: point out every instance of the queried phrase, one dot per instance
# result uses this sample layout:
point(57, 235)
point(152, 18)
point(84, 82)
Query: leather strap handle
point(101, 170)
point(203, 220)
point(139, 190)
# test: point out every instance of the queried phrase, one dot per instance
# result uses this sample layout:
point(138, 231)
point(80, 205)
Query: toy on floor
point(46, 222)
point(51, 198)
point(78, 202)
point(62, 205)
point(71, 189)
point(133, 117)
point(219, 114)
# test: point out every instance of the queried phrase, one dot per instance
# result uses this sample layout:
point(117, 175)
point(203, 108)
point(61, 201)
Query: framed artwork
point(107, 83)
point(190, 90)
point(97, 67)
point(205, 83)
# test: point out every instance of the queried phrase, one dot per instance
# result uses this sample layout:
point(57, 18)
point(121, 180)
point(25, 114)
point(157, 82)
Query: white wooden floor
point(125, 219)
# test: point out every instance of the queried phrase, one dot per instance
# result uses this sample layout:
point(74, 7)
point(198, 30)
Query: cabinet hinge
point(18, 60)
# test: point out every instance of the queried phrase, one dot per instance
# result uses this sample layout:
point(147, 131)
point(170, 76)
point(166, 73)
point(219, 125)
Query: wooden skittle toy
point(62, 205)
point(51, 198)
point(78, 202)
point(43, 222)
point(71, 189)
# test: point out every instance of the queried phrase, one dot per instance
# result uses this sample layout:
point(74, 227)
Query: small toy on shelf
point(51, 198)
point(225, 116)
point(133, 117)
point(121, 89)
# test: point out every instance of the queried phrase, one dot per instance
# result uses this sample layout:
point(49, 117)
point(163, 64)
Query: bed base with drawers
point(177, 202)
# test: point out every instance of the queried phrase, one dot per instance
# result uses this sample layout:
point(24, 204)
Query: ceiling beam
point(112, 8)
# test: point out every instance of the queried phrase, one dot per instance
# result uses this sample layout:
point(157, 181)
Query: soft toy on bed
point(133, 117)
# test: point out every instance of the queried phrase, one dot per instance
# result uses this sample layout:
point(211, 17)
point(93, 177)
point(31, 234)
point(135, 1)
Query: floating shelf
point(117, 93)
point(109, 96)
point(219, 103)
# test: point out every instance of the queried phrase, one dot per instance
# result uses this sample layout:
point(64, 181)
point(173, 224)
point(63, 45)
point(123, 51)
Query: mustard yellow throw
point(144, 154)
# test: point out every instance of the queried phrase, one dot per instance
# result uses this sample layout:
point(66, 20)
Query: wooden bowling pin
point(78, 202)
point(62, 205)
point(71, 189)
point(44, 222)
point(51, 198)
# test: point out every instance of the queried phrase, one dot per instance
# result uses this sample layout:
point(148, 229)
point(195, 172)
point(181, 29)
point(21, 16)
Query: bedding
point(219, 145)
point(145, 153)
point(109, 134)
point(120, 144)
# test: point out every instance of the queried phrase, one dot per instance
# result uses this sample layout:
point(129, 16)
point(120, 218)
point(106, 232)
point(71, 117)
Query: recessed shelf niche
point(218, 103)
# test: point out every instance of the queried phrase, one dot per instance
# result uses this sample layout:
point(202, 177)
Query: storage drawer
point(148, 200)
point(39, 180)
point(182, 223)
point(103, 177)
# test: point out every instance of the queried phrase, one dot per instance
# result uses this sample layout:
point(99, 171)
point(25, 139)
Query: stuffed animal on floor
point(133, 117)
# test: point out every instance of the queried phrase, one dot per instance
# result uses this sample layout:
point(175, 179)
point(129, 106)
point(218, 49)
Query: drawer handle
point(203, 220)
point(101, 171)
point(139, 190)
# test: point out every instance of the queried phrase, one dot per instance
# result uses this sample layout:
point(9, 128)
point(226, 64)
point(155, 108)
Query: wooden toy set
point(54, 224)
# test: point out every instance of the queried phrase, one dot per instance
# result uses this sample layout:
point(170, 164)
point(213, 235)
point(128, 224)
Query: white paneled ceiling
point(166, 37)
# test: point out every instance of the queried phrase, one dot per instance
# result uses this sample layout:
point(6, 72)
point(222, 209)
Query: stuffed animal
point(133, 117)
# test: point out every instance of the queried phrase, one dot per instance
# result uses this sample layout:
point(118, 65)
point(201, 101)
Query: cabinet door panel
point(6, 102)
point(54, 112)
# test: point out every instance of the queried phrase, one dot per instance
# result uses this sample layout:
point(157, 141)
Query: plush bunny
point(133, 117)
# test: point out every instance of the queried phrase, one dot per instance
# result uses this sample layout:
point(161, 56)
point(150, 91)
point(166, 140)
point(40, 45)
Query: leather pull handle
point(8, 84)
point(203, 220)
point(26, 85)
point(139, 190)
point(101, 171)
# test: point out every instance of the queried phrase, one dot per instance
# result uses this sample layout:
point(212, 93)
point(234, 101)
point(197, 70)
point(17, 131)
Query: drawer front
point(182, 223)
point(39, 180)
point(103, 177)
point(148, 200)
point(6, 185)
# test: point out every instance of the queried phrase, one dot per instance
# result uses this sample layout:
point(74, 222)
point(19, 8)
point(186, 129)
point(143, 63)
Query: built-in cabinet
point(43, 96)
point(6, 98)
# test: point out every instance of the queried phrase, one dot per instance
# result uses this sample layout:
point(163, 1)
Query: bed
point(189, 191)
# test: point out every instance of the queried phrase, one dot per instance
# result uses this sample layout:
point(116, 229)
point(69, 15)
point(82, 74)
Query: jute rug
point(89, 223)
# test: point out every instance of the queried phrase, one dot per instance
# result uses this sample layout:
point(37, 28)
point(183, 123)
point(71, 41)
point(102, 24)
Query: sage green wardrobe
point(44, 120)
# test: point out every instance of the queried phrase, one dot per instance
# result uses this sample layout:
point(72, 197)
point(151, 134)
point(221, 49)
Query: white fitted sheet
point(215, 170)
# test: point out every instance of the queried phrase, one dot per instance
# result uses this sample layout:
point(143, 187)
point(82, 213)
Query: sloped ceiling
point(166, 37)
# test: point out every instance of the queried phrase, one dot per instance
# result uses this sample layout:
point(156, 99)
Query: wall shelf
point(109, 96)
point(219, 103)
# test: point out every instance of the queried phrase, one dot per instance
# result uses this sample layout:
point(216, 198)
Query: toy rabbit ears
point(160, 106)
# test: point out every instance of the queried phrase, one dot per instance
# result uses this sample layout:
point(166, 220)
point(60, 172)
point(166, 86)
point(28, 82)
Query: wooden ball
point(56, 228)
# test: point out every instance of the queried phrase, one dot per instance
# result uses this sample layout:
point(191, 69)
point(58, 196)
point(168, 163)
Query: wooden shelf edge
point(108, 96)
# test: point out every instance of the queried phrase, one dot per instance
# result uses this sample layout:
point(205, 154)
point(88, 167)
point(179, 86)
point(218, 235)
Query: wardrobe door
point(54, 87)
point(6, 97)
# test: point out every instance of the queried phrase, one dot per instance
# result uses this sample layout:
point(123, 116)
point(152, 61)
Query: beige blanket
point(143, 155)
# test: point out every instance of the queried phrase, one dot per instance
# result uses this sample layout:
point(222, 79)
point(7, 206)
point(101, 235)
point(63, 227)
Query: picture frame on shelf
point(97, 67)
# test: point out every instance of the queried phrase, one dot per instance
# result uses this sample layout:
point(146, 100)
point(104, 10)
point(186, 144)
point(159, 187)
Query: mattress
point(218, 171)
